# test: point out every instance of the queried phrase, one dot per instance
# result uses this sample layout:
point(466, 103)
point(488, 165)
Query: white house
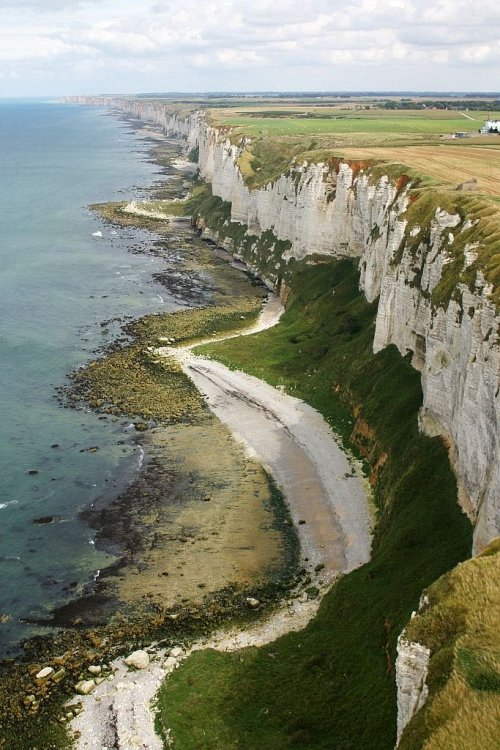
point(491, 126)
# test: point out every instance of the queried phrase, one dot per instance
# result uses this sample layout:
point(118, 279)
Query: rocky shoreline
point(125, 607)
point(65, 655)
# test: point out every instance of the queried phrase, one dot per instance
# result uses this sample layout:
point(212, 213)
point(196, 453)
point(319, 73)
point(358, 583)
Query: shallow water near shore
point(63, 291)
point(74, 508)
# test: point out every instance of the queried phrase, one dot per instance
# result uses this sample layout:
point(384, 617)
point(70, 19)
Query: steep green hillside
point(332, 685)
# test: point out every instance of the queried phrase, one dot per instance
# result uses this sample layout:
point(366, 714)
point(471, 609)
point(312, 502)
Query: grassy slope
point(334, 682)
point(460, 626)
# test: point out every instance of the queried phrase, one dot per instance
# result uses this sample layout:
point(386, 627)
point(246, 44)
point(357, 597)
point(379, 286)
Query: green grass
point(460, 626)
point(277, 141)
point(332, 685)
point(349, 121)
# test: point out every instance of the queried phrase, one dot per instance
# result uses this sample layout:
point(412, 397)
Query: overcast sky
point(55, 47)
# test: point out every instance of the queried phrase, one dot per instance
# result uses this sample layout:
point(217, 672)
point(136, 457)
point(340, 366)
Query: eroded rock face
point(456, 348)
point(343, 211)
point(412, 665)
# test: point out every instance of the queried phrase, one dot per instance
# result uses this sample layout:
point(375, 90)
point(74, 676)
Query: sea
point(67, 279)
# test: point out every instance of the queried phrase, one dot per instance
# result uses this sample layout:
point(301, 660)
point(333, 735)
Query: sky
point(64, 47)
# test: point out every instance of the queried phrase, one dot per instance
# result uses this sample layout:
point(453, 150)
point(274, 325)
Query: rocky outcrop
point(456, 348)
point(412, 665)
point(349, 210)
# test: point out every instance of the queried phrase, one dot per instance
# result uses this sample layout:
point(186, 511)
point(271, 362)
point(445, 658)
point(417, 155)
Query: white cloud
point(287, 44)
point(43, 6)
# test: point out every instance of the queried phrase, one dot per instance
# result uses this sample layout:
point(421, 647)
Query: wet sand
point(217, 529)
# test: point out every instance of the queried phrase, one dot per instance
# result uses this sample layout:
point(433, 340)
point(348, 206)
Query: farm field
point(419, 139)
point(445, 163)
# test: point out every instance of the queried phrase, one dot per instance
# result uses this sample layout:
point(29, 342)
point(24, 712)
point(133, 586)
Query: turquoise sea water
point(58, 283)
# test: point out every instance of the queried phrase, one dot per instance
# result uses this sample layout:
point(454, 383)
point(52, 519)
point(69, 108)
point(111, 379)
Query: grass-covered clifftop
point(276, 140)
point(276, 136)
point(334, 682)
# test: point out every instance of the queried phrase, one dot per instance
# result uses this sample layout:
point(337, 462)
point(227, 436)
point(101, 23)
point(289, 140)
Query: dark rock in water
point(32, 472)
point(141, 426)
point(55, 445)
point(43, 520)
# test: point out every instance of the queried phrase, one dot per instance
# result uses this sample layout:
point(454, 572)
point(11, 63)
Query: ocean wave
point(6, 505)
point(140, 459)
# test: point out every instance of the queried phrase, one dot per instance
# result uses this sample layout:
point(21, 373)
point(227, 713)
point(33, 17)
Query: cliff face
point(343, 209)
point(412, 666)
point(455, 346)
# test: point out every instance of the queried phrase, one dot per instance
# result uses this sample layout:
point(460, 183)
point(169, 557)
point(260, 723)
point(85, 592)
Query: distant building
point(491, 126)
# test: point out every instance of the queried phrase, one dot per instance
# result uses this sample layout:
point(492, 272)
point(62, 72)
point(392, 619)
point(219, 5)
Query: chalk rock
point(344, 211)
point(94, 669)
point(176, 652)
point(252, 603)
point(85, 687)
point(138, 660)
point(412, 665)
point(170, 663)
point(44, 673)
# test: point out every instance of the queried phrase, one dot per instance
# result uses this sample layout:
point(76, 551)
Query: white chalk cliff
point(412, 665)
point(343, 211)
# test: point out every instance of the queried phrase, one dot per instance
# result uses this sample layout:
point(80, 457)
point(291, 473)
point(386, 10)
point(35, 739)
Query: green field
point(337, 121)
